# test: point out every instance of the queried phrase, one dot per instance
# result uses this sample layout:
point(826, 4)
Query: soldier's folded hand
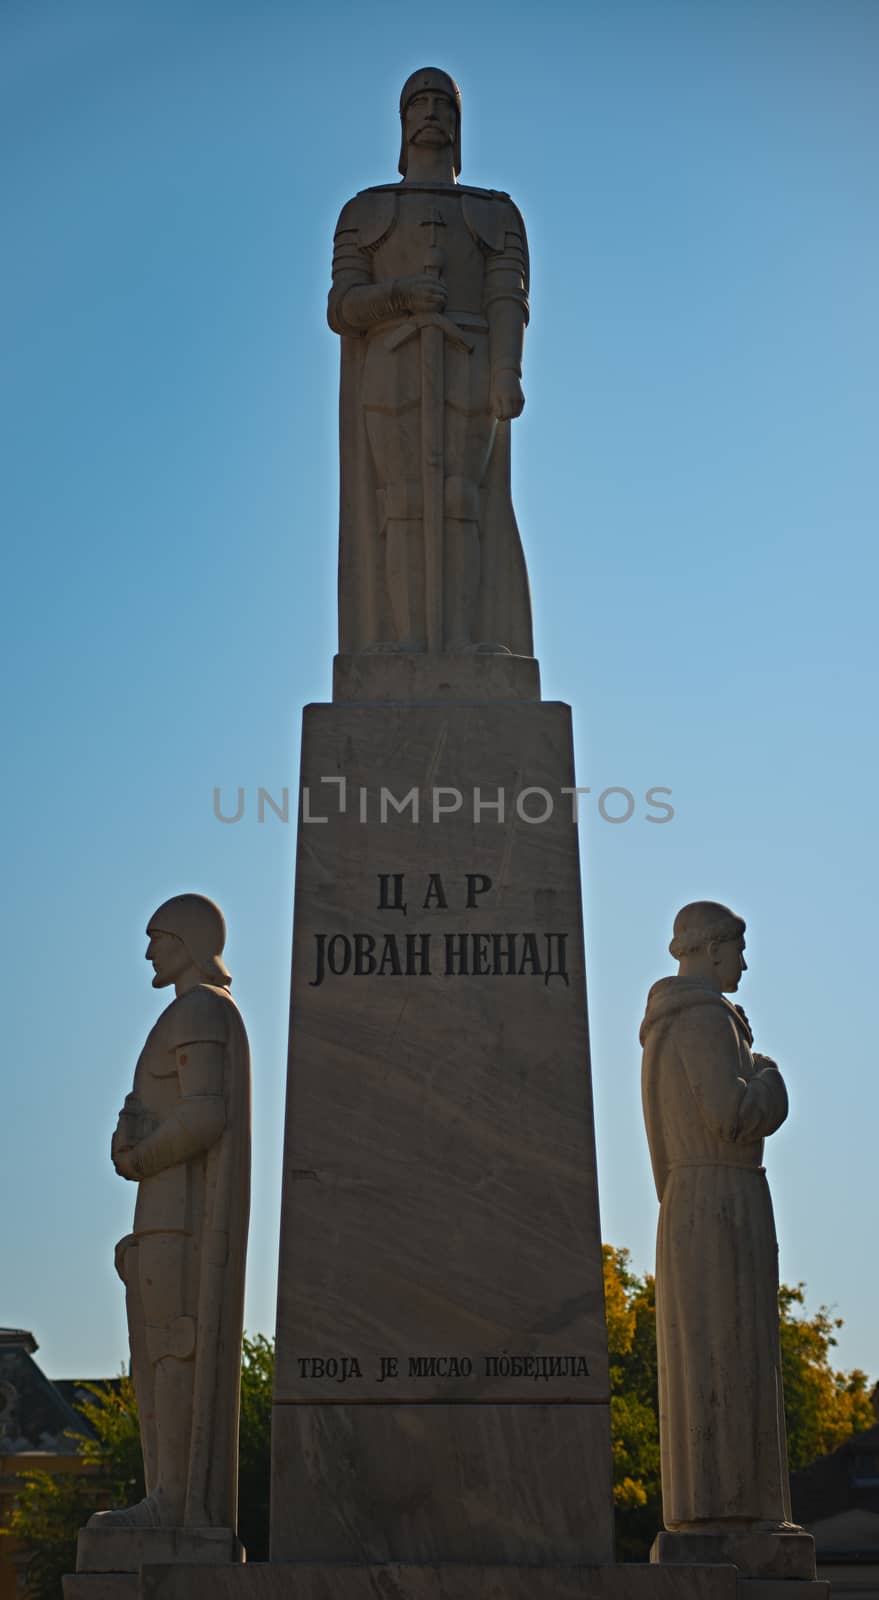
point(507, 395)
point(421, 293)
point(121, 1251)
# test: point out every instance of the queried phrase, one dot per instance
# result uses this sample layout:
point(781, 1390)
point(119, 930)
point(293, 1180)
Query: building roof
point(18, 1336)
point(837, 1498)
point(35, 1414)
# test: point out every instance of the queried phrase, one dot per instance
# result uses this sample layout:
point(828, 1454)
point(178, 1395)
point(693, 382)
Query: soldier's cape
point(205, 1012)
point(504, 604)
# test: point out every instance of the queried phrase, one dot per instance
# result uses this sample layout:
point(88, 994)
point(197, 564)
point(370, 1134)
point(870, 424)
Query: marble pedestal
point(110, 1561)
point(441, 1390)
point(397, 1582)
point(758, 1554)
point(771, 1566)
point(394, 1582)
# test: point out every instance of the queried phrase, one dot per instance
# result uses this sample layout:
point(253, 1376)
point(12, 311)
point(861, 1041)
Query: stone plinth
point(442, 1583)
point(441, 1389)
point(129, 1549)
point(101, 1586)
point(756, 1553)
point(472, 677)
point(783, 1589)
point(109, 1561)
point(293, 1582)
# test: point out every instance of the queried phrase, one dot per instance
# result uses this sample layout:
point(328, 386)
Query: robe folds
point(708, 1105)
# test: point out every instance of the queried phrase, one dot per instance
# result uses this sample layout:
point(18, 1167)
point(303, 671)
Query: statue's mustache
point(429, 127)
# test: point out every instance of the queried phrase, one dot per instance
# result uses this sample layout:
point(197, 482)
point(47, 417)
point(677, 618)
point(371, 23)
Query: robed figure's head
point(709, 942)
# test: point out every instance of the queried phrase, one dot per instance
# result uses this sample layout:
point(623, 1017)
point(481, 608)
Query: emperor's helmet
point(200, 925)
point(430, 78)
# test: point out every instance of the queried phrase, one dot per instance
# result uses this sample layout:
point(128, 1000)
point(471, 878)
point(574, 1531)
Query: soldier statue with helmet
point(430, 298)
point(183, 1136)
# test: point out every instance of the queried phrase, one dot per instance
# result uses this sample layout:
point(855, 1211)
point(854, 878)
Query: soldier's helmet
point(200, 925)
point(430, 78)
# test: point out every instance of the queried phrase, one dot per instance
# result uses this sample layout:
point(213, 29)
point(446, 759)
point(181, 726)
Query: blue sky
point(694, 475)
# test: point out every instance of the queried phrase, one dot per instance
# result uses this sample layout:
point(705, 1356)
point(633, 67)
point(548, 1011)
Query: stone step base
point(783, 1589)
point(756, 1552)
point(289, 1581)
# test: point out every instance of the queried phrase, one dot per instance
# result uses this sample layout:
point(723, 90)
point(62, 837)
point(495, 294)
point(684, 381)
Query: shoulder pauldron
point(490, 217)
point(370, 216)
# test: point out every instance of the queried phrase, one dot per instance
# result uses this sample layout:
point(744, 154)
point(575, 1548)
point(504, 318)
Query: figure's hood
point(670, 995)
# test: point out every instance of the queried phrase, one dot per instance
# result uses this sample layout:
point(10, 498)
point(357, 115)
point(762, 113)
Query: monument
point(709, 1104)
point(441, 1422)
point(440, 1316)
point(183, 1136)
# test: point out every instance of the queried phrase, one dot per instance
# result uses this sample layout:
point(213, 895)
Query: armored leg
point(127, 1262)
point(461, 582)
point(160, 1300)
point(404, 557)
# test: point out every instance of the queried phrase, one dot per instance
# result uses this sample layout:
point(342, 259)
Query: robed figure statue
point(710, 1102)
point(430, 297)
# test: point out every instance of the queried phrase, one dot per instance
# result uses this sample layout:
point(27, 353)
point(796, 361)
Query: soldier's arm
point(199, 1119)
point(506, 307)
point(357, 300)
point(738, 1109)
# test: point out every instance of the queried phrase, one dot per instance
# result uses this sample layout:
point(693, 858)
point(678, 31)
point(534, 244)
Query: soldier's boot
point(165, 1504)
point(404, 558)
point(174, 1385)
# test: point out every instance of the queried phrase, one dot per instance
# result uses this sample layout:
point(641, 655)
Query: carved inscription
point(341, 1368)
point(449, 955)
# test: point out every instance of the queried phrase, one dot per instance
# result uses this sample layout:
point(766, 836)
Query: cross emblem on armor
point(434, 220)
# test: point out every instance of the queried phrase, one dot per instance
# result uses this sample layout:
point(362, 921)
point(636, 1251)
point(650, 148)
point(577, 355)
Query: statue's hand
point(507, 396)
point(121, 1251)
point(421, 293)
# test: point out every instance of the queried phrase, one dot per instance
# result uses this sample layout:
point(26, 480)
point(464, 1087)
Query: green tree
point(823, 1407)
point(254, 1471)
point(634, 1425)
point(52, 1507)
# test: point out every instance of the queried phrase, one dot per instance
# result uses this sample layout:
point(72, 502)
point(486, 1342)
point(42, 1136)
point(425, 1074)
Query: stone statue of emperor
point(430, 297)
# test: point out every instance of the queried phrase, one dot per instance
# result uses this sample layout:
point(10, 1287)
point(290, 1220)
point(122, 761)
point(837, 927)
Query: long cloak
point(213, 1451)
point(365, 618)
point(218, 1209)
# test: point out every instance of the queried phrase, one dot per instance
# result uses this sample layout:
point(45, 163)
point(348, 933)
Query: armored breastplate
point(164, 1201)
point(429, 219)
point(156, 1083)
